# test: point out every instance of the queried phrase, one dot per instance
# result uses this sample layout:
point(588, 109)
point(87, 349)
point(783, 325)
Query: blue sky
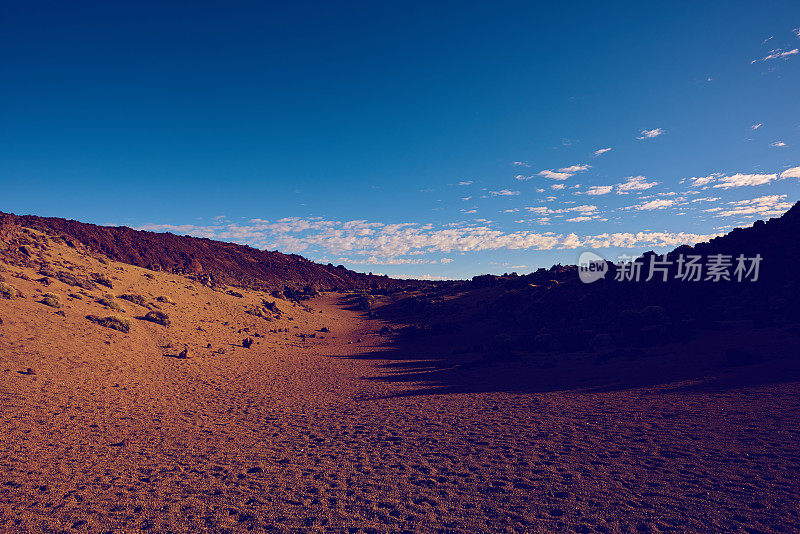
point(441, 139)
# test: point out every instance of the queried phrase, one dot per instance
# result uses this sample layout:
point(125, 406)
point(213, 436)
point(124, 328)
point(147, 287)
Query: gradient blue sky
point(405, 138)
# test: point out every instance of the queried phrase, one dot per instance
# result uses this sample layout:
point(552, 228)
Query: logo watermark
point(591, 267)
point(683, 267)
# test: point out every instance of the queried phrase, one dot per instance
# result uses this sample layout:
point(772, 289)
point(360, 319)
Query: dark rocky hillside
point(212, 261)
point(552, 310)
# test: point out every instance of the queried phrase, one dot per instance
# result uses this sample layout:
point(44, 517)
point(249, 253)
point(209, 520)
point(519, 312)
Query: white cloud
point(599, 189)
point(767, 206)
point(468, 182)
point(583, 209)
point(503, 193)
point(778, 144)
point(555, 175)
point(757, 126)
point(575, 168)
point(601, 151)
point(557, 186)
point(541, 210)
point(379, 242)
point(522, 177)
point(722, 181)
point(658, 204)
point(634, 183)
point(521, 164)
point(700, 181)
point(564, 172)
point(649, 134)
point(582, 218)
point(741, 180)
point(779, 53)
point(648, 239)
point(794, 172)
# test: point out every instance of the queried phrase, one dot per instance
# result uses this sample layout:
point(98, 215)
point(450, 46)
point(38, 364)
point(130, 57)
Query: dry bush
point(165, 300)
point(51, 300)
point(136, 299)
point(72, 280)
point(158, 317)
point(115, 323)
point(102, 280)
point(109, 301)
point(7, 291)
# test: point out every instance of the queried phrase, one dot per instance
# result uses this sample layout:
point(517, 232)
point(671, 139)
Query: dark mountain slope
point(552, 310)
point(212, 261)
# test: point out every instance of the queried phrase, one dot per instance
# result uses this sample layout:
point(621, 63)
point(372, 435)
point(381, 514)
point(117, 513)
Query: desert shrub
point(115, 323)
point(51, 300)
point(75, 296)
point(158, 317)
point(136, 299)
point(72, 280)
point(102, 280)
point(233, 293)
point(7, 291)
point(165, 299)
point(68, 278)
point(47, 270)
point(2, 278)
point(109, 301)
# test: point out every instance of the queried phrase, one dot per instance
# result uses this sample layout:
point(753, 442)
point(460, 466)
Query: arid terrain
point(335, 419)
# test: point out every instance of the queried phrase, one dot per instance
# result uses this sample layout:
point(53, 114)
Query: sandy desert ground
point(341, 432)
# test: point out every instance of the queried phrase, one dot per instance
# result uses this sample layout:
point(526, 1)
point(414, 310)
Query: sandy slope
point(112, 434)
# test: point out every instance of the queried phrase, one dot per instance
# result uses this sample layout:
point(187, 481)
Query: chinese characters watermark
point(681, 267)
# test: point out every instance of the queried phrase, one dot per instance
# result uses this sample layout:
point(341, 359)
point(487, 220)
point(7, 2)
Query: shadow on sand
point(429, 368)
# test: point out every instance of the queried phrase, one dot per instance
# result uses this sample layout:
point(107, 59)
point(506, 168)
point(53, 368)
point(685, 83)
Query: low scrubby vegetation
point(157, 317)
point(165, 299)
point(115, 323)
point(109, 301)
point(7, 291)
point(51, 300)
point(136, 299)
point(102, 280)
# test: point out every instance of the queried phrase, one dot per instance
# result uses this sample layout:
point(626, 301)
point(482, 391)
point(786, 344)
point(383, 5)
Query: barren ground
point(296, 434)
